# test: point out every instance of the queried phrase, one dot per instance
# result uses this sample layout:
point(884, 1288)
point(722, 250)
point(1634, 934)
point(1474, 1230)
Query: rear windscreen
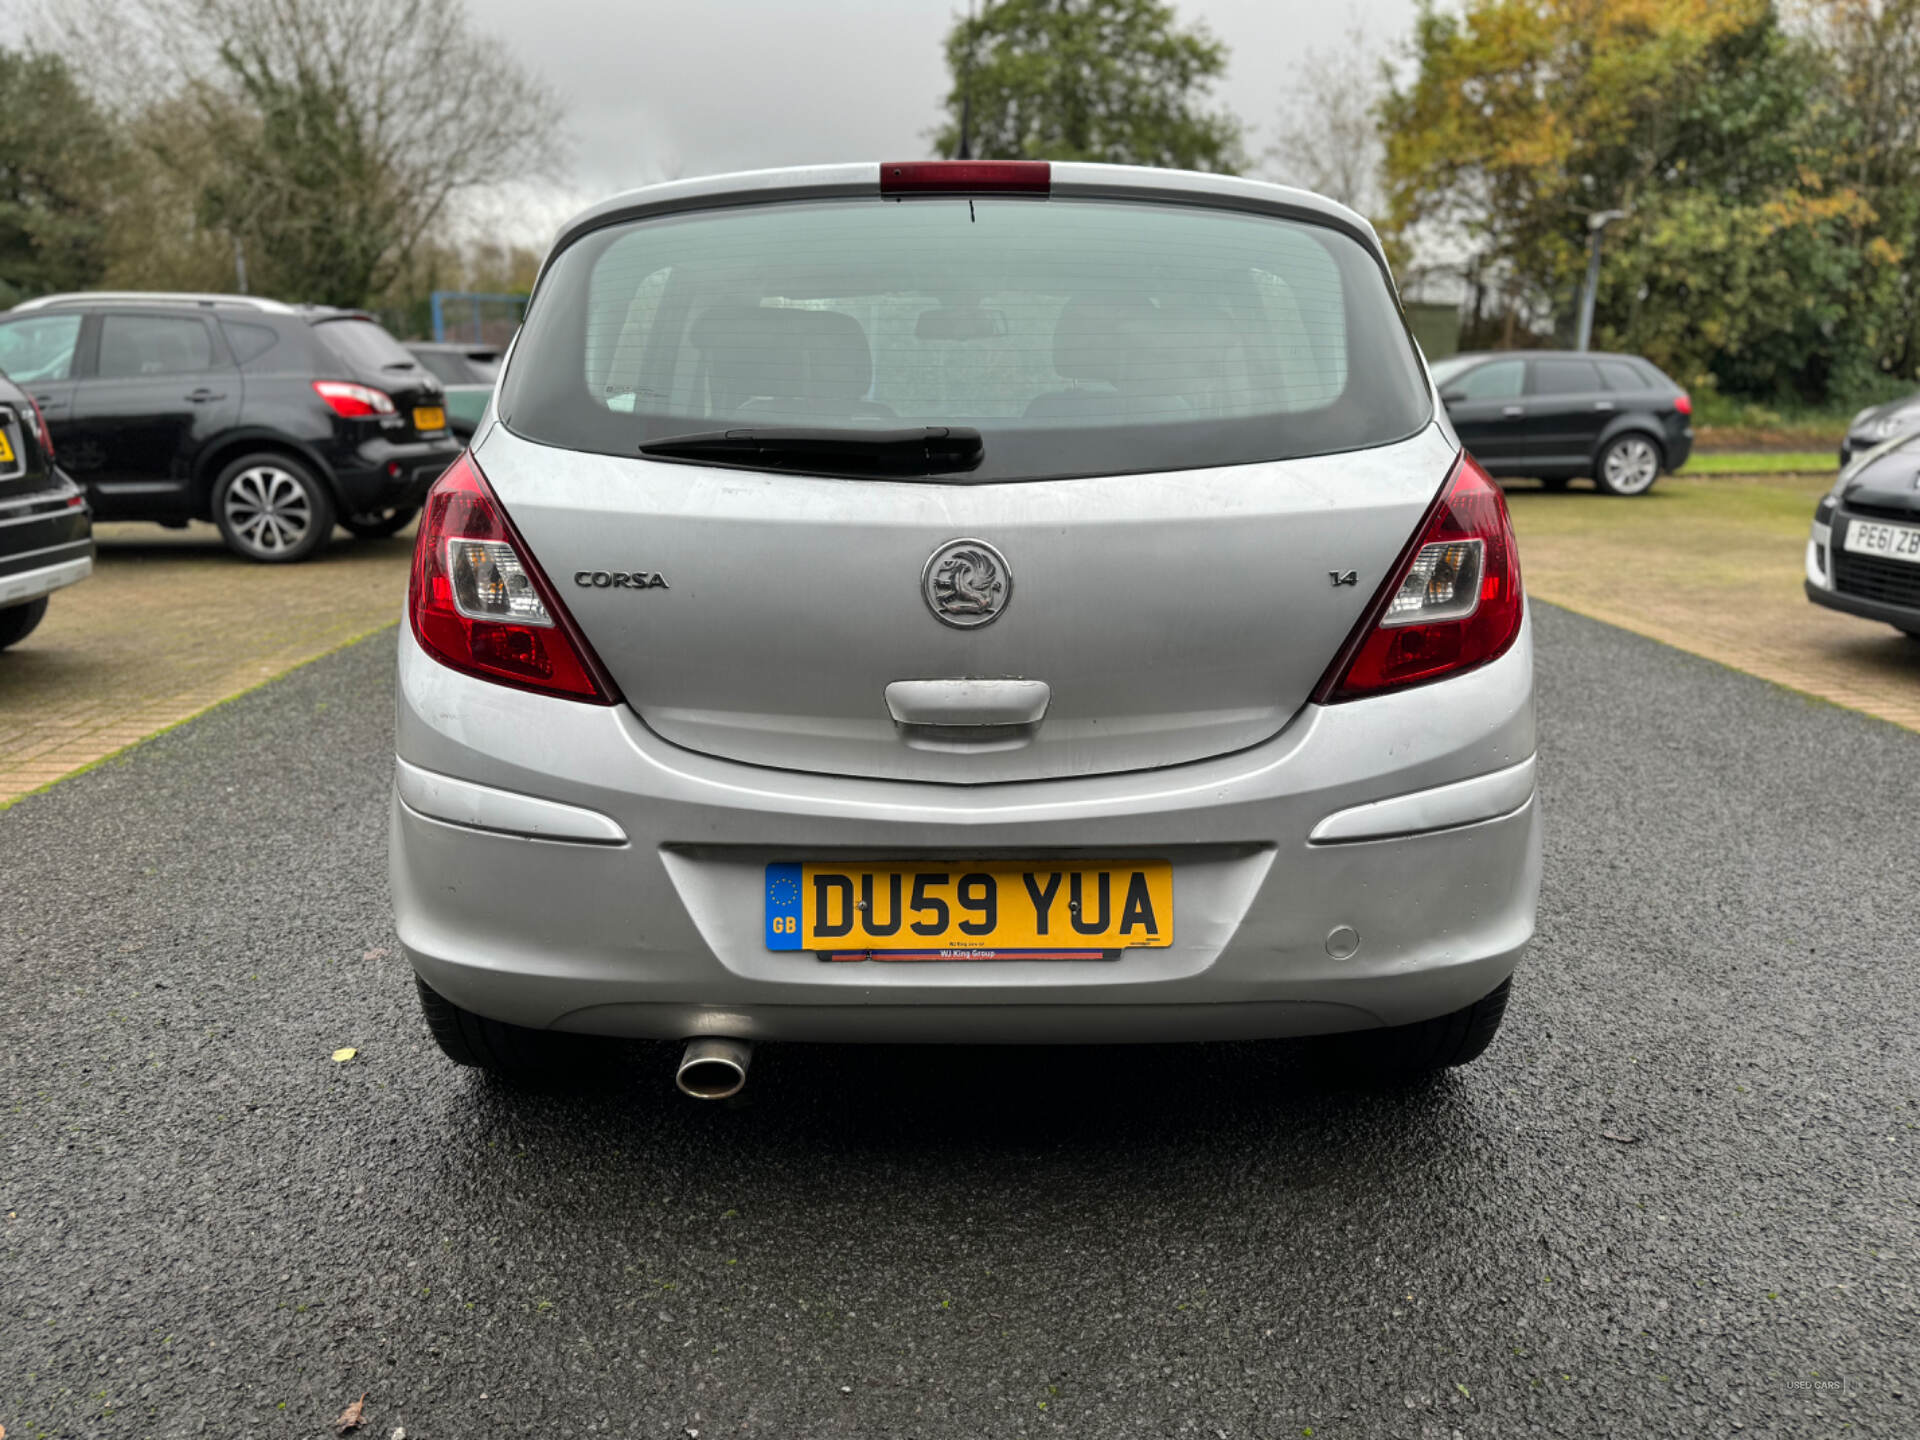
point(364, 347)
point(1078, 336)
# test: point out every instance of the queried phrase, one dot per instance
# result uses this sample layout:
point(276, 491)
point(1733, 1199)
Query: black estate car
point(1863, 556)
point(46, 537)
point(1558, 414)
point(272, 421)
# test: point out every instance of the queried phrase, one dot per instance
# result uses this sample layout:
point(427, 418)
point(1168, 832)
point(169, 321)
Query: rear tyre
point(271, 508)
point(511, 1052)
point(18, 621)
point(380, 524)
point(1398, 1054)
point(1628, 466)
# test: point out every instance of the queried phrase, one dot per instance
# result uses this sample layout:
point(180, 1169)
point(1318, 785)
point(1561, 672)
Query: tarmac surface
point(1677, 1197)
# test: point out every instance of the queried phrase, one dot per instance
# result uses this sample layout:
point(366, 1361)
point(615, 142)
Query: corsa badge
point(621, 579)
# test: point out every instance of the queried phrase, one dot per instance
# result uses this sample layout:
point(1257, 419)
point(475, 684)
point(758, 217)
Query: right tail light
point(1452, 603)
point(351, 401)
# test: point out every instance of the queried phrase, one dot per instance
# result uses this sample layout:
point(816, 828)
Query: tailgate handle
point(968, 702)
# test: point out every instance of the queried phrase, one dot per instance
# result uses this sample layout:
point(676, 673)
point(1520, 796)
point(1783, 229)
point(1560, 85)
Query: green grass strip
point(1763, 462)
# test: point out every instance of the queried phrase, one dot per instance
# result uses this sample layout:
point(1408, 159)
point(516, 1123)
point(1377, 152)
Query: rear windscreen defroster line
point(1078, 337)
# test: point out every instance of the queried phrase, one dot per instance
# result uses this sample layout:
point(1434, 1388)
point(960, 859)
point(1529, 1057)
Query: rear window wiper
point(826, 450)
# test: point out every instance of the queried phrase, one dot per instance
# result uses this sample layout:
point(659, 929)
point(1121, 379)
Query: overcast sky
point(655, 90)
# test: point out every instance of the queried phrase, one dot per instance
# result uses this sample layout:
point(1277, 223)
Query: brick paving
point(1715, 567)
point(169, 624)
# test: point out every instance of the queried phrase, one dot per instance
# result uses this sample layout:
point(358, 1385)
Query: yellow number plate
point(971, 909)
point(6, 450)
point(429, 417)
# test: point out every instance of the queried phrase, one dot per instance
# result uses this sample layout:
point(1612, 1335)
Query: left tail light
point(1453, 603)
point(1683, 405)
point(40, 430)
point(479, 604)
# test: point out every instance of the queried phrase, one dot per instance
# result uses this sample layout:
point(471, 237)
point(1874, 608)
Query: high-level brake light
point(966, 177)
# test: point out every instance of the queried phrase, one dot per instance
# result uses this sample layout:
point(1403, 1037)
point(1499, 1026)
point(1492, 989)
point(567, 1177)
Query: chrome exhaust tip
point(713, 1067)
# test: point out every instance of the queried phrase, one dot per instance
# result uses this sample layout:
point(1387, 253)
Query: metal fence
point(459, 315)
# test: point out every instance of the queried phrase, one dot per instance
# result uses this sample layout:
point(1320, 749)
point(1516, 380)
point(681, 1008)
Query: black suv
point(1557, 414)
point(273, 421)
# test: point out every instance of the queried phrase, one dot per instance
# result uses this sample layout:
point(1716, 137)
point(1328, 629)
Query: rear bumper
point(46, 543)
point(661, 933)
point(19, 586)
point(381, 474)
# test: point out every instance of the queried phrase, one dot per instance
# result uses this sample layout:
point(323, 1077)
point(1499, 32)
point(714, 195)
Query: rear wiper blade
point(914, 450)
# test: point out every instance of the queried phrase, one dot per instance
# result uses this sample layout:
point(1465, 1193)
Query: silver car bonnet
point(1169, 616)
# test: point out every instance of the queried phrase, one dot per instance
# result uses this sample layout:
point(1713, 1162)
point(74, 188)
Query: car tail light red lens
point(1684, 404)
point(479, 604)
point(1454, 601)
point(966, 177)
point(345, 398)
point(40, 429)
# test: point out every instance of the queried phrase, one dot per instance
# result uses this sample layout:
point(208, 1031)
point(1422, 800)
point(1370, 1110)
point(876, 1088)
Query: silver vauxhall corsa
point(965, 601)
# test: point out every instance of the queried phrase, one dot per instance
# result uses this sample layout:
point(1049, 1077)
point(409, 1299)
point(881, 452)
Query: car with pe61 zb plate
point(1863, 556)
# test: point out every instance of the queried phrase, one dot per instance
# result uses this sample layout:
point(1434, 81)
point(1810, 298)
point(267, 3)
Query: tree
point(157, 235)
point(1110, 80)
point(57, 152)
point(1746, 249)
point(1873, 53)
point(1327, 135)
point(326, 137)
